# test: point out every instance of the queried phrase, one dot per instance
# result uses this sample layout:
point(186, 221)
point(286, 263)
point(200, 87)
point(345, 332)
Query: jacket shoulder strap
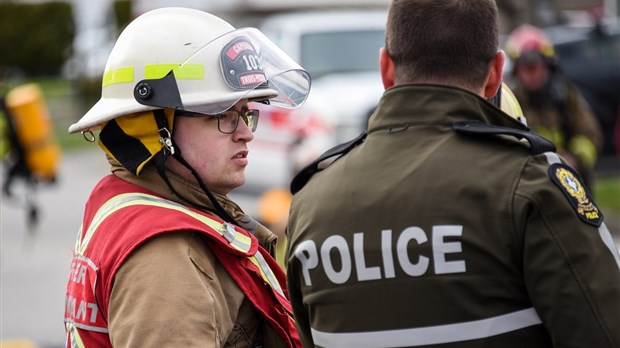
point(302, 178)
point(538, 144)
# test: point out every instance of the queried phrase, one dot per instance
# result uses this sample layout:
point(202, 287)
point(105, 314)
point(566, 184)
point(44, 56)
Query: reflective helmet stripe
point(185, 71)
point(154, 71)
point(116, 76)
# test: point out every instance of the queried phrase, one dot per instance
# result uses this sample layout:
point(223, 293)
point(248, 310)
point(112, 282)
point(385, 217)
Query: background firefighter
point(553, 105)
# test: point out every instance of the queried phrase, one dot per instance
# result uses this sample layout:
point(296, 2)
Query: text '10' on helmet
point(186, 59)
point(528, 43)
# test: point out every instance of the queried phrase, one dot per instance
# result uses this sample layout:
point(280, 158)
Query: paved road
point(34, 268)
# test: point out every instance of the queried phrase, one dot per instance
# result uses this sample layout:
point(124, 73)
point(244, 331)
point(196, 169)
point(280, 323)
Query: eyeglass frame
point(250, 118)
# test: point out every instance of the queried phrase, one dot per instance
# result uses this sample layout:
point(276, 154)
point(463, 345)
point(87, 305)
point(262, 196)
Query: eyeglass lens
point(229, 120)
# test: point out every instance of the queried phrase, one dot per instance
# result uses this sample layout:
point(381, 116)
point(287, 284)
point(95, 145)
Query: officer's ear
point(495, 75)
point(386, 65)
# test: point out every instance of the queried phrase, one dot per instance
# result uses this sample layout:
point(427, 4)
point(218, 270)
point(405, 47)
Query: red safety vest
point(116, 205)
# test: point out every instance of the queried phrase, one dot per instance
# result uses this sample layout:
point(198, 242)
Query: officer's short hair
point(442, 40)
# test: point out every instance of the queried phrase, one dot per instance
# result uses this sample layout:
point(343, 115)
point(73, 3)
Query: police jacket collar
point(419, 104)
point(413, 105)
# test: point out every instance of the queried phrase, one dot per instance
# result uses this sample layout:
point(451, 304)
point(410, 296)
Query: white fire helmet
point(186, 59)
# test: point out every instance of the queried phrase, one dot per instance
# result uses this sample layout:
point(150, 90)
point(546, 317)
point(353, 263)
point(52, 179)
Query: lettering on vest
point(84, 309)
point(80, 303)
point(336, 257)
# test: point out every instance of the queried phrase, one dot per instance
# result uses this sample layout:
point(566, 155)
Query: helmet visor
point(241, 64)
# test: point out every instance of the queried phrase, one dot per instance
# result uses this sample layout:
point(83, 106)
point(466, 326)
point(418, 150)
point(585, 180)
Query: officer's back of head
point(458, 38)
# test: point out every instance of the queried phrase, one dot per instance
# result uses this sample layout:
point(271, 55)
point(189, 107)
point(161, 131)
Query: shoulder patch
point(574, 190)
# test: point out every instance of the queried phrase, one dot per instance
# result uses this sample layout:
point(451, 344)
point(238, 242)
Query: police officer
point(555, 108)
point(164, 258)
point(448, 223)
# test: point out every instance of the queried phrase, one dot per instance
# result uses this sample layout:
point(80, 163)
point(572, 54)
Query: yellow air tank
point(33, 129)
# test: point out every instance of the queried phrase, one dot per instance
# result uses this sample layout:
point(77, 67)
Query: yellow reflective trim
point(554, 134)
point(116, 76)
point(186, 71)
point(154, 71)
point(241, 241)
point(78, 240)
point(73, 336)
point(266, 271)
point(585, 149)
point(97, 219)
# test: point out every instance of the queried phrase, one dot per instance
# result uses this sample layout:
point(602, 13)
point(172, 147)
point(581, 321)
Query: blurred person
point(164, 258)
point(448, 222)
point(31, 153)
point(554, 107)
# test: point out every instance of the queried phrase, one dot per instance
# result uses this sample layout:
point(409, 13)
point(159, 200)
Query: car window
point(344, 51)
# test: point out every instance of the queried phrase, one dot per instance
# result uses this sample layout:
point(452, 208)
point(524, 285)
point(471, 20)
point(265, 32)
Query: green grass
point(606, 192)
point(55, 88)
point(65, 107)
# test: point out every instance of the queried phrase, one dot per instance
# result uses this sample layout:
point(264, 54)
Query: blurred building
point(544, 13)
point(513, 12)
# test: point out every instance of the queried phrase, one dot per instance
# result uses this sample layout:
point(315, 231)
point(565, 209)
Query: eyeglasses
point(228, 121)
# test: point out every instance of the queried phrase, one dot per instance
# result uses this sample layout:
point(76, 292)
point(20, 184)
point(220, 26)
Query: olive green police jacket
point(450, 225)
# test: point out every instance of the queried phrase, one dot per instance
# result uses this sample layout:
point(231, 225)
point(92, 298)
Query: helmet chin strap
point(170, 149)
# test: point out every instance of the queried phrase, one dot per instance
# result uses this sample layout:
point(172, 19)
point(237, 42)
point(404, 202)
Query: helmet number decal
point(241, 65)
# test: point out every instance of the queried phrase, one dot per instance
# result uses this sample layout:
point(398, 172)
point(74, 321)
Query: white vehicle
point(340, 50)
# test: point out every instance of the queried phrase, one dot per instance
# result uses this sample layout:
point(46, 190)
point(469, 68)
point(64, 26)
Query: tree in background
point(36, 39)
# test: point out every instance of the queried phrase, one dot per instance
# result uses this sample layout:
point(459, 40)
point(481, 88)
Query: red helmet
point(528, 40)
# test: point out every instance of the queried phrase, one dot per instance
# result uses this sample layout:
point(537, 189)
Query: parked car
point(340, 49)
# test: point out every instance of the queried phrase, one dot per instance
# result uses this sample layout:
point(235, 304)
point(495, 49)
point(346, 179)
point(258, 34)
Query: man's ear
point(495, 75)
point(386, 65)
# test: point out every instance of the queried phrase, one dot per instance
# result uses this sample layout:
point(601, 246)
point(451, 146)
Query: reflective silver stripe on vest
point(603, 231)
point(85, 327)
point(236, 239)
point(431, 334)
point(267, 273)
point(73, 336)
point(240, 241)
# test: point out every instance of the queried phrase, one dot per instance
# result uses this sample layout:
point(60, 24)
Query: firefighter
point(555, 108)
point(164, 258)
point(448, 223)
